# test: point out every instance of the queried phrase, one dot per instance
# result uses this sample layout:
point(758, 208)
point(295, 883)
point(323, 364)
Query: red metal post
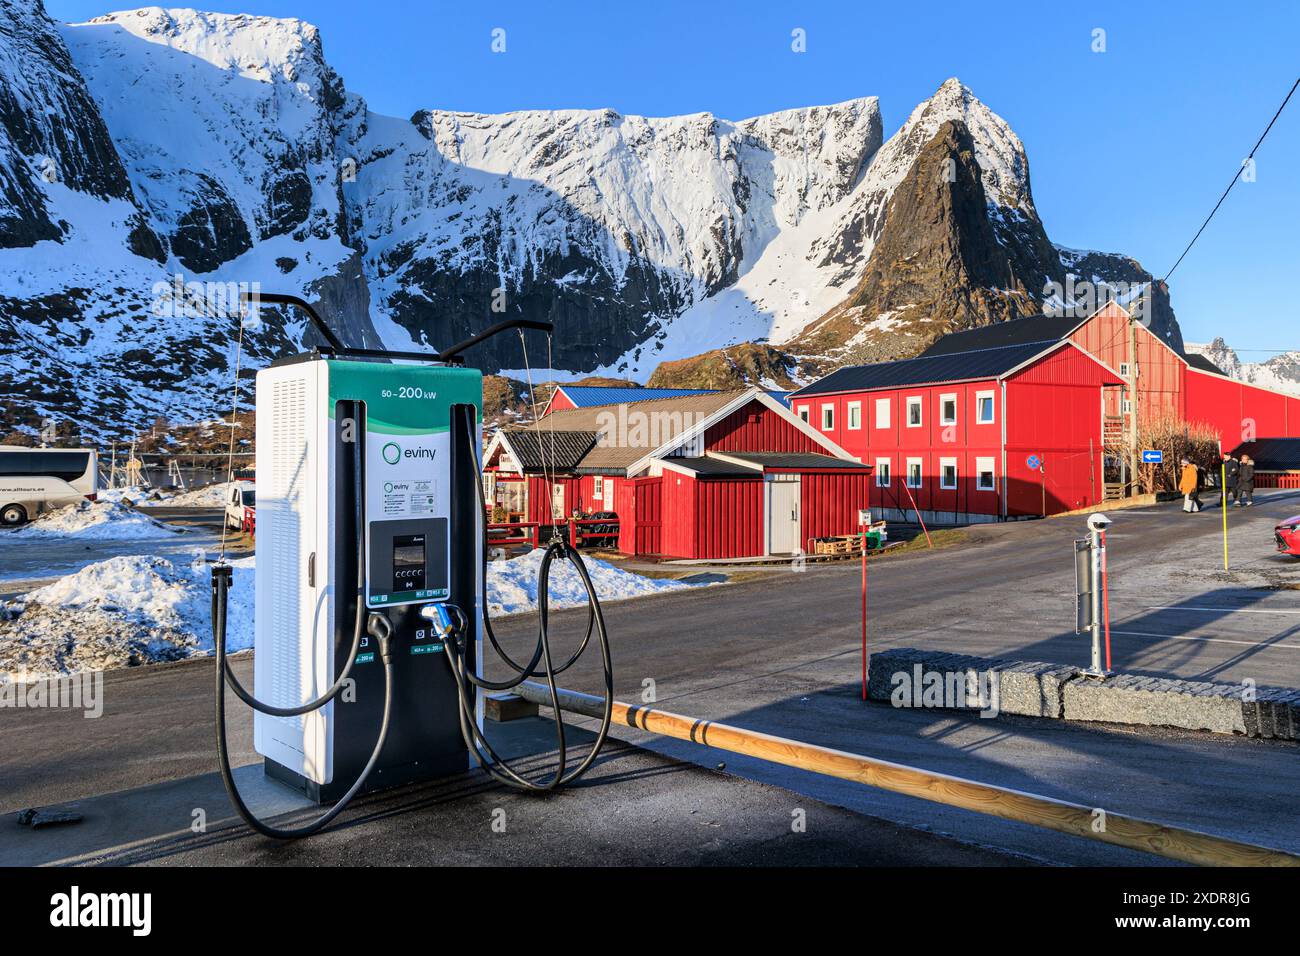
point(864, 613)
point(928, 540)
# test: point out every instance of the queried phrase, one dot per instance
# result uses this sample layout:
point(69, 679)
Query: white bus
point(36, 480)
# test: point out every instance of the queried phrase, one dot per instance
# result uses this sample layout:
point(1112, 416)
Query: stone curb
point(1064, 692)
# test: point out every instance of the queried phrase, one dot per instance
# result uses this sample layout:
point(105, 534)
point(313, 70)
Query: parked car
point(1288, 536)
point(241, 501)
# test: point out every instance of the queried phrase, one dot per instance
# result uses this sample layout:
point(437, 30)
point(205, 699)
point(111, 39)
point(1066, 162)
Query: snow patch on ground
point(512, 585)
point(105, 520)
point(142, 610)
point(212, 496)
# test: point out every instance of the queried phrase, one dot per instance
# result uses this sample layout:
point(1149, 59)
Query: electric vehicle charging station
point(322, 424)
point(369, 606)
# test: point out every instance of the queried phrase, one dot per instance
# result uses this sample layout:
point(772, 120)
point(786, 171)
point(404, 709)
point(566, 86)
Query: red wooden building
point(956, 432)
point(710, 475)
point(957, 437)
point(1166, 383)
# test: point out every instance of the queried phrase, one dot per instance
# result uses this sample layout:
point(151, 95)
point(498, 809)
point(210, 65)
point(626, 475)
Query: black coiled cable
point(466, 680)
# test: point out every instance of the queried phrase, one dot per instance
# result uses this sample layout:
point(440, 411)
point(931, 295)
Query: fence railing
point(603, 530)
point(1277, 481)
point(527, 532)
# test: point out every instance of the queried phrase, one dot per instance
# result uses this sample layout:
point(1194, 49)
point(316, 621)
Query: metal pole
point(1223, 498)
point(1095, 553)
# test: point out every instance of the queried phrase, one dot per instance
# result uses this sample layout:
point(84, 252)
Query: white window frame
point(1123, 369)
point(944, 465)
point(920, 472)
point(802, 412)
point(855, 416)
point(828, 421)
point(884, 472)
point(886, 406)
point(917, 402)
point(598, 488)
point(943, 405)
point(993, 408)
point(985, 466)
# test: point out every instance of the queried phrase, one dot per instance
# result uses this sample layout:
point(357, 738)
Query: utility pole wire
point(1235, 177)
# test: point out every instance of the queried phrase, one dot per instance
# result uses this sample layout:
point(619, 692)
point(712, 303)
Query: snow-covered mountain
point(1281, 372)
point(151, 156)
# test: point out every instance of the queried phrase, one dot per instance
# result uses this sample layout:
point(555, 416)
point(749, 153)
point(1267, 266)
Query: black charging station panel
point(408, 560)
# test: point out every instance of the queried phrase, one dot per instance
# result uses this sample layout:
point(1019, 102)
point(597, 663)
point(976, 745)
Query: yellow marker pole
point(1223, 487)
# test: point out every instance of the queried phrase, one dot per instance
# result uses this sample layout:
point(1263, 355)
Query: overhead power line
point(1235, 177)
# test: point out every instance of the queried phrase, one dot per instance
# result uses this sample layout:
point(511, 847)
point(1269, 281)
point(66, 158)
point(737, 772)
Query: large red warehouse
point(1010, 419)
point(952, 436)
point(712, 475)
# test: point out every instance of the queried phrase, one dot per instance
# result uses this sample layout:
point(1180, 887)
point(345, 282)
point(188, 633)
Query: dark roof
point(1204, 364)
point(556, 450)
point(715, 466)
point(926, 370)
point(1272, 454)
point(1035, 328)
point(799, 459)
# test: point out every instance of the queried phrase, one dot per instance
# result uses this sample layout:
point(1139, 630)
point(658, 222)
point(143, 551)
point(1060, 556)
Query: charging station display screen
point(409, 563)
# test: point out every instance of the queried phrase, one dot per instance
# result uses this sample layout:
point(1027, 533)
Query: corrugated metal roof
point(926, 369)
point(715, 466)
point(629, 442)
point(1034, 328)
point(1272, 454)
point(589, 396)
point(800, 460)
point(535, 449)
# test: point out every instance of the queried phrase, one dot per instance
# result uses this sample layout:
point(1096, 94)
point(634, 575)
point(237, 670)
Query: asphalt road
point(782, 654)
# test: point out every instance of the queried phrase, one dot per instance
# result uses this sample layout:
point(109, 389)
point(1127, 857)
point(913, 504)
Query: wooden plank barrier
point(1189, 846)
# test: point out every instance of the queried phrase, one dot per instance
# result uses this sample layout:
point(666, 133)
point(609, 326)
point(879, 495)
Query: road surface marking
point(1227, 610)
point(1209, 640)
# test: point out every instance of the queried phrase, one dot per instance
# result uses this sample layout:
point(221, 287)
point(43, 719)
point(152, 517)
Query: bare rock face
point(734, 367)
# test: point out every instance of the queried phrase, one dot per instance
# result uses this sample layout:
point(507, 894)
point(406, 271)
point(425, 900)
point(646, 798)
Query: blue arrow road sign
point(1152, 456)
point(1034, 462)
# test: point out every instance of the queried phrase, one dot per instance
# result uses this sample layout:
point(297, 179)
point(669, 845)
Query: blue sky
point(1128, 148)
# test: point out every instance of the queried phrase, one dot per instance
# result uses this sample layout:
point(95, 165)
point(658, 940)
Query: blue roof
point(927, 370)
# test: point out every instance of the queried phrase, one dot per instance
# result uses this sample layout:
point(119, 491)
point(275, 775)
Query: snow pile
point(211, 496)
point(119, 613)
point(104, 520)
point(134, 494)
point(143, 610)
point(512, 585)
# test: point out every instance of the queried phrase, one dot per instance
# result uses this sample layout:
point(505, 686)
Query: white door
point(783, 514)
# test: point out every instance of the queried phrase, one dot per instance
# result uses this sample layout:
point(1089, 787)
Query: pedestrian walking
point(1231, 473)
point(1189, 483)
point(1246, 482)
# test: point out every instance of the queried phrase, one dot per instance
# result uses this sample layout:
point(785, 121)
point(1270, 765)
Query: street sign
point(1153, 456)
point(864, 517)
point(1083, 585)
point(1034, 462)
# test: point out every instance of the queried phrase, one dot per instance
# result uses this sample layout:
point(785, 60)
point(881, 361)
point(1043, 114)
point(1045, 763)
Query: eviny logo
point(74, 909)
point(392, 453)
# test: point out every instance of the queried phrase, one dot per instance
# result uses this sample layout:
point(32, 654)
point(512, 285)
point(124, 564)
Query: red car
point(1288, 536)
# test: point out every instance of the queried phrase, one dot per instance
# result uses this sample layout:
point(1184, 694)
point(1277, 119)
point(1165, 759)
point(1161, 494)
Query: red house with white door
point(710, 475)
